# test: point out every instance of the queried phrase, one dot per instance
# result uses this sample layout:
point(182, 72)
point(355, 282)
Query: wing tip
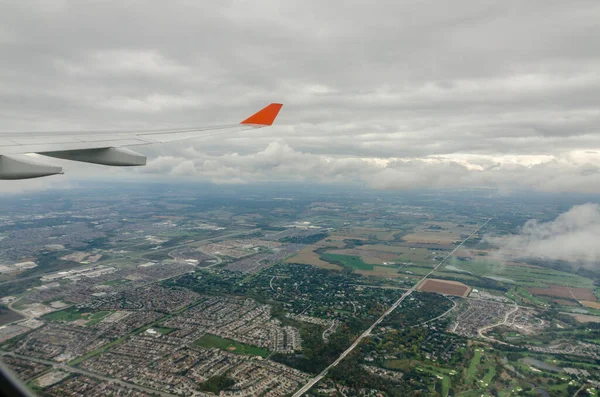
point(264, 117)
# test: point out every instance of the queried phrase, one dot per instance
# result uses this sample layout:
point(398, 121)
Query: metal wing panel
point(40, 142)
point(47, 142)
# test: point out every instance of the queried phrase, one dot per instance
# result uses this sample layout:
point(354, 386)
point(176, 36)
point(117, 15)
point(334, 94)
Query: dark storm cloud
point(360, 81)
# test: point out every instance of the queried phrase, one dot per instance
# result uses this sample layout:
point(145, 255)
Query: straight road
point(362, 336)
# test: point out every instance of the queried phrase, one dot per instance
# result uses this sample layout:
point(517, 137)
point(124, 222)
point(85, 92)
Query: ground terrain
point(256, 292)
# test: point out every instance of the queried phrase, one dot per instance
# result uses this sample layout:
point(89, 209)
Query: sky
point(383, 95)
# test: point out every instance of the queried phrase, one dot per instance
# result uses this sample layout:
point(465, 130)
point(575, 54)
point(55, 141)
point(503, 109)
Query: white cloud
point(278, 161)
point(573, 237)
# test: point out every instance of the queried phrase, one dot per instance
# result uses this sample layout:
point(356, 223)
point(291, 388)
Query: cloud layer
point(573, 237)
point(280, 162)
point(474, 91)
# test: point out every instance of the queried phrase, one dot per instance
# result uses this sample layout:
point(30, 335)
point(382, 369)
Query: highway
point(320, 376)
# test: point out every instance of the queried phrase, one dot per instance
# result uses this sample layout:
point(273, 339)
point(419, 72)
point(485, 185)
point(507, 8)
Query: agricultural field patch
point(353, 262)
point(371, 257)
point(534, 277)
point(444, 287)
point(421, 271)
point(308, 256)
point(585, 318)
point(567, 302)
point(364, 233)
point(593, 305)
point(561, 291)
point(381, 271)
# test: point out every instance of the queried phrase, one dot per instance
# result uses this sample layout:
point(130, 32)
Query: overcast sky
point(385, 94)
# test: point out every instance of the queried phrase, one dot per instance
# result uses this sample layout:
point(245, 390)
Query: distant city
point(171, 290)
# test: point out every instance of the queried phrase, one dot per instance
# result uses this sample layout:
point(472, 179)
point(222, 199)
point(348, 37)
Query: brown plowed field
point(559, 291)
point(565, 302)
point(593, 305)
point(444, 287)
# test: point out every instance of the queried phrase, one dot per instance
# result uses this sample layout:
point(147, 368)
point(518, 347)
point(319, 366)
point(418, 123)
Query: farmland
point(307, 256)
point(593, 305)
point(444, 287)
point(439, 233)
point(353, 262)
point(528, 276)
point(559, 291)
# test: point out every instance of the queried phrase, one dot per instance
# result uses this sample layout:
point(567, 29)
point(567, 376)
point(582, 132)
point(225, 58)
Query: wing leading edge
point(103, 147)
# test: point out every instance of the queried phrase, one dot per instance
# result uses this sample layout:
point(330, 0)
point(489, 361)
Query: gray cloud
point(431, 89)
point(572, 237)
point(278, 161)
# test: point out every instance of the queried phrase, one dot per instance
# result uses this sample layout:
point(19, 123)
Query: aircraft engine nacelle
point(21, 168)
point(118, 157)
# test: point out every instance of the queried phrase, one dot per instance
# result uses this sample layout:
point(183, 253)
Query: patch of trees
point(351, 243)
point(316, 354)
point(313, 238)
point(427, 307)
point(350, 373)
point(216, 384)
point(18, 286)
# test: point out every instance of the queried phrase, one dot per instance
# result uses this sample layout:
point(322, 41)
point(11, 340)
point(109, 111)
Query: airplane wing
point(103, 147)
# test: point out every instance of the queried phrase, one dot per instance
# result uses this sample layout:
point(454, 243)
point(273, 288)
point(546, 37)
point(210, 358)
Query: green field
point(73, 314)
point(526, 276)
point(523, 297)
point(415, 270)
point(403, 364)
point(489, 375)
point(207, 341)
point(95, 318)
point(454, 276)
point(164, 330)
point(473, 364)
point(353, 262)
point(69, 314)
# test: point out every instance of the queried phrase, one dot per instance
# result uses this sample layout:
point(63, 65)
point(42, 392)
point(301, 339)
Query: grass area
point(164, 330)
point(489, 375)
point(560, 388)
point(445, 386)
point(209, 340)
point(404, 254)
point(73, 314)
point(524, 297)
point(454, 276)
point(403, 364)
point(353, 262)
point(113, 283)
point(415, 270)
point(95, 318)
point(68, 314)
point(526, 276)
point(473, 364)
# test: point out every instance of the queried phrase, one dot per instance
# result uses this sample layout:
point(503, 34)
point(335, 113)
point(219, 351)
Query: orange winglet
point(265, 116)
